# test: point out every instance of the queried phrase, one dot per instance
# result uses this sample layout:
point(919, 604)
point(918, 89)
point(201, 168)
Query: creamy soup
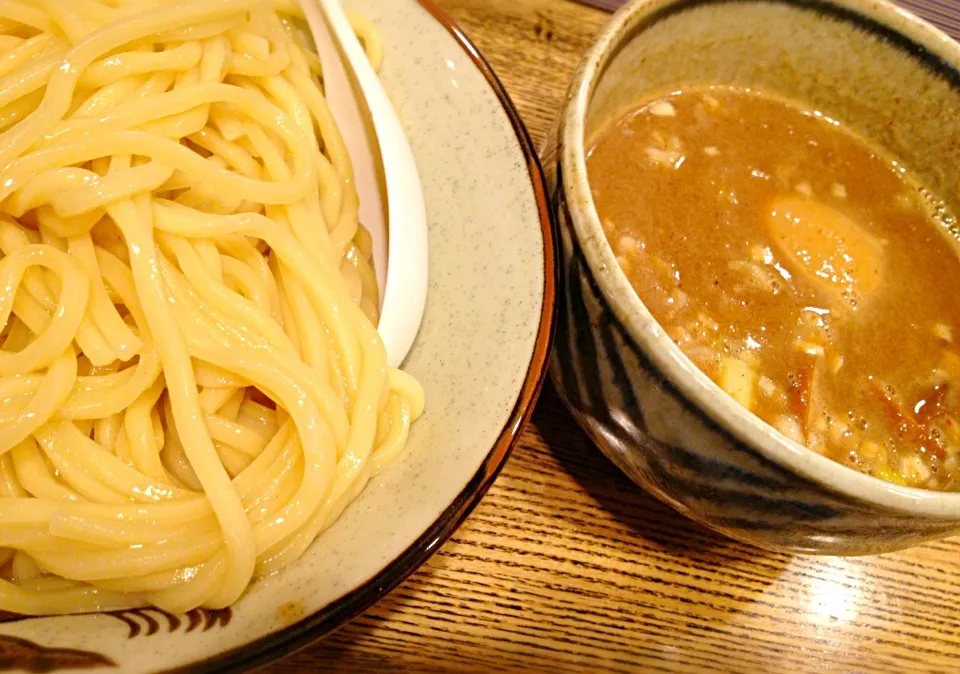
point(799, 267)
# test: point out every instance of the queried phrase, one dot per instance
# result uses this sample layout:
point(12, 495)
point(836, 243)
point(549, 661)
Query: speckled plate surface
point(480, 354)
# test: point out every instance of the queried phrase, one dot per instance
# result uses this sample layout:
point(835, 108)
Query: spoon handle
point(353, 121)
point(404, 294)
point(353, 124)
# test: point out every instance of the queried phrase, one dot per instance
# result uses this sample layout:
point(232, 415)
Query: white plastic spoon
point(399, 231)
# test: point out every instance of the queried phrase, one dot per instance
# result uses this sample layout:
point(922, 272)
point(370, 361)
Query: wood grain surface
point(566, 566)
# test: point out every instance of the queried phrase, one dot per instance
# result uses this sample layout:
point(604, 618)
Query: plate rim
point(290, 639)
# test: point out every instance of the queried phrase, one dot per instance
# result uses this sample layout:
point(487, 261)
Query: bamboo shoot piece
point(739, 381)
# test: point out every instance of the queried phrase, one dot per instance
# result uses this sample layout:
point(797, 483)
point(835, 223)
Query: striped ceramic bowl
point(651, 411)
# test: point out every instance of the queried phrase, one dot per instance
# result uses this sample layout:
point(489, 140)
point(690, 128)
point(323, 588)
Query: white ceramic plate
point(480, 354)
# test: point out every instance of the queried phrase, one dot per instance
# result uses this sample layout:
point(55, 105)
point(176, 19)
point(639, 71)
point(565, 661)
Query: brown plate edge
point(334, 616)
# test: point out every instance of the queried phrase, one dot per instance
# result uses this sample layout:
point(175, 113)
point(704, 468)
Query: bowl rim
point(284, 642)
point(697, 390)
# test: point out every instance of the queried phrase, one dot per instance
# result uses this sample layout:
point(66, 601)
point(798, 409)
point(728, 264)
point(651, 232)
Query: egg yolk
point(829, 248)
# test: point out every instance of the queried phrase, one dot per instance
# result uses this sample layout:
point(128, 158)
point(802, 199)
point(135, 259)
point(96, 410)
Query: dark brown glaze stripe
point(941, 13)
point(348, 607)
point(137, 619)
point(26, 656)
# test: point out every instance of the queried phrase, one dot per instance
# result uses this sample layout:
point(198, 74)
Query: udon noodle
point(192, 387)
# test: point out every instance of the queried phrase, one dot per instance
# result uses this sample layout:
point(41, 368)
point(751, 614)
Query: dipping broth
point(799, 267)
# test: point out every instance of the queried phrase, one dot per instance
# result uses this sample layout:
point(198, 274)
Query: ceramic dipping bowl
point(882, 72)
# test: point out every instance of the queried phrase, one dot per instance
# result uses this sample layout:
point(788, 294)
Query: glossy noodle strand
point(192, 387)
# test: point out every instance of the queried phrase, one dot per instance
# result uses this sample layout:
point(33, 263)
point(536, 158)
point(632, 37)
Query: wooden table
point(566, 566)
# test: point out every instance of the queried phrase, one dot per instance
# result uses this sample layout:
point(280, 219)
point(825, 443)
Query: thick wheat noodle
point(192, 387)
